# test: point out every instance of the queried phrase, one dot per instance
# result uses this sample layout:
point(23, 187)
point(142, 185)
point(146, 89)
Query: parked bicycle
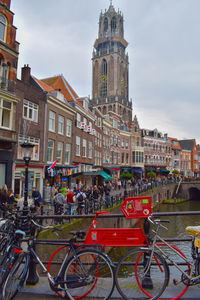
point(145, 272)
point(84, 270)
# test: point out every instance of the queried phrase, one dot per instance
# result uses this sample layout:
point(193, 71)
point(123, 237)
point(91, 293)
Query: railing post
point(33, 277)
point(147, 281)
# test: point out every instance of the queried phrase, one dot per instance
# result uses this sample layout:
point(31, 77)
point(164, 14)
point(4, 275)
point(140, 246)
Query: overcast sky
point(57, 37)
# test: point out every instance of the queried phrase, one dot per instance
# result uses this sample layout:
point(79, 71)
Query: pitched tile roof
point(187, 144)
point(177, 147)
point(43, 85)
point(61, 84)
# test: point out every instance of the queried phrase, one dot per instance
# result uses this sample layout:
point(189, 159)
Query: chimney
point(26, 73)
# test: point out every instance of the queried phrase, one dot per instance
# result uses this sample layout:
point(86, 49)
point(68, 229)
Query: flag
point(53, 164)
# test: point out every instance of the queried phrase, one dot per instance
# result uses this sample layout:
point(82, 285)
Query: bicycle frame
point(158, 247)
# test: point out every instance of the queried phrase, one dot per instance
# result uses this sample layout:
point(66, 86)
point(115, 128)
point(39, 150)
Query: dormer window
point(3, 23)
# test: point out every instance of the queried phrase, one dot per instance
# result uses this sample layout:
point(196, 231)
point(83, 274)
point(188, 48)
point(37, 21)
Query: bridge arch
point(194, 194)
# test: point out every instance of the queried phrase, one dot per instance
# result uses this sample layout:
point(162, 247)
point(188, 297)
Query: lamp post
point(27, 150)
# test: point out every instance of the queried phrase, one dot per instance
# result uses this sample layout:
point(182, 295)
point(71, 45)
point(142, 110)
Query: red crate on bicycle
point(137, 207)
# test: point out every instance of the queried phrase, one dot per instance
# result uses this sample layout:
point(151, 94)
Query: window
point(50, 150)
point(138, 141)
point(113, 24)
point(122, 158)
point(61, 124)
point(5, 113)
point(84, 148)
point(78, 118)
point(78, 140)
point(67, 153)
point(32, 140)
point(69, 128)
point(105, 24)
point(3, 24)
point(103, 79)
point(90, 149)
point(59, 152)
point(52, 117)
point(30, 111)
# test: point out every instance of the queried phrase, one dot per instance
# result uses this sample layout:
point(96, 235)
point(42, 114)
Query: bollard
point(33, 277)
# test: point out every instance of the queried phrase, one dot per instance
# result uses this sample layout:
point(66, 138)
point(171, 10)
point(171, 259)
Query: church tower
point(110, 83)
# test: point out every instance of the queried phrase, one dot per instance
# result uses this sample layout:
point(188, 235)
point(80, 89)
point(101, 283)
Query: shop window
point(2, 174)
point(30, 111)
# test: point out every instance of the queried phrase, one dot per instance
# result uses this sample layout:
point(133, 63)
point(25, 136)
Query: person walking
point(107, 194)
point(70, 202)
point(36, 197)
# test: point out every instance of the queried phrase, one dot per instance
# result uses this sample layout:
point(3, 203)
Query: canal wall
point(189, 190)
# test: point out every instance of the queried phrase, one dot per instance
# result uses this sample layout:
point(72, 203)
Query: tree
point(126, 176)
point(151, 174)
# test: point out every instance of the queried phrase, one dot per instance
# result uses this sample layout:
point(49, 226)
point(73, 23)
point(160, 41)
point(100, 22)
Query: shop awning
point(138, 170)
point(105, 175)
point(164, 171)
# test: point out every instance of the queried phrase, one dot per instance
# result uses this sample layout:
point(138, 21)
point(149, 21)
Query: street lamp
point(27, 150)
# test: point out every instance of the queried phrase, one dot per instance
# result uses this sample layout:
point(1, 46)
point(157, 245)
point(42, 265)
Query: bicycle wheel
point(177, 285)
point(15, 280)
point(137, 279)
point(90, 273)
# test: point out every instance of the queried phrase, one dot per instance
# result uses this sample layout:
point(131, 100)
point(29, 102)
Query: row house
point(157, 151)
point(30, 125)
point(137, 148)
point(190, 145)
point(185, 163)
point(176, 154)
point(9, 51)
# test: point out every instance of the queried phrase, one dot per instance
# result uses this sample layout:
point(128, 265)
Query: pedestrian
point(80, 197)
point(107, 194)
point(11, 199)
point(59, 203)
point(36, 197)
point(70, 202)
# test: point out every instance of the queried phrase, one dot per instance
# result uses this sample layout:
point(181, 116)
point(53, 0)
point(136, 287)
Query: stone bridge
point(188, 190)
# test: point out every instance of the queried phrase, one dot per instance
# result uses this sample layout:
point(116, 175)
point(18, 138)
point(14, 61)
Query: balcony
point(7, 85)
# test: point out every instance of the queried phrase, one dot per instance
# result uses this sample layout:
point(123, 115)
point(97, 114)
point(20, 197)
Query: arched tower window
point(3, 24)
point(105, 25)
point(103, 78)
point(113, 24)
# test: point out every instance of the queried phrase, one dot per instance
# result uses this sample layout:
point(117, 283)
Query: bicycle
point(145, 272)
point(83, 271)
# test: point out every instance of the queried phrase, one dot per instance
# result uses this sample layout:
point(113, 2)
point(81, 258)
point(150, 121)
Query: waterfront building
point(191, 146)
point(9, 51)
point(176, 153)
point(157, 152)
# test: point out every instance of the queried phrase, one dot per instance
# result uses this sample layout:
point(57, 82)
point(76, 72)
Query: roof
point(187, 144)
point(61, 84)
point(43, 85)
point(177, 147)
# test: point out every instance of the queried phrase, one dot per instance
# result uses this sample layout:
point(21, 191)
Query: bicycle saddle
point(193, 230)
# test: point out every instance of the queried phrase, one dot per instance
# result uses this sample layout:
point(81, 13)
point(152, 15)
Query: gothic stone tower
point(110, 67)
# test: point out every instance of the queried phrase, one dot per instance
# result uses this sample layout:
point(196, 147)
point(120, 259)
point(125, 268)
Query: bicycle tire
point(16, 277)
point(97, 270)
point(131, 279)
point(7, 262)
point(180, 289)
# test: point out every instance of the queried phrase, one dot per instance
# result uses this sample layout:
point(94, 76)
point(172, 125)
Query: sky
point(57, 37)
